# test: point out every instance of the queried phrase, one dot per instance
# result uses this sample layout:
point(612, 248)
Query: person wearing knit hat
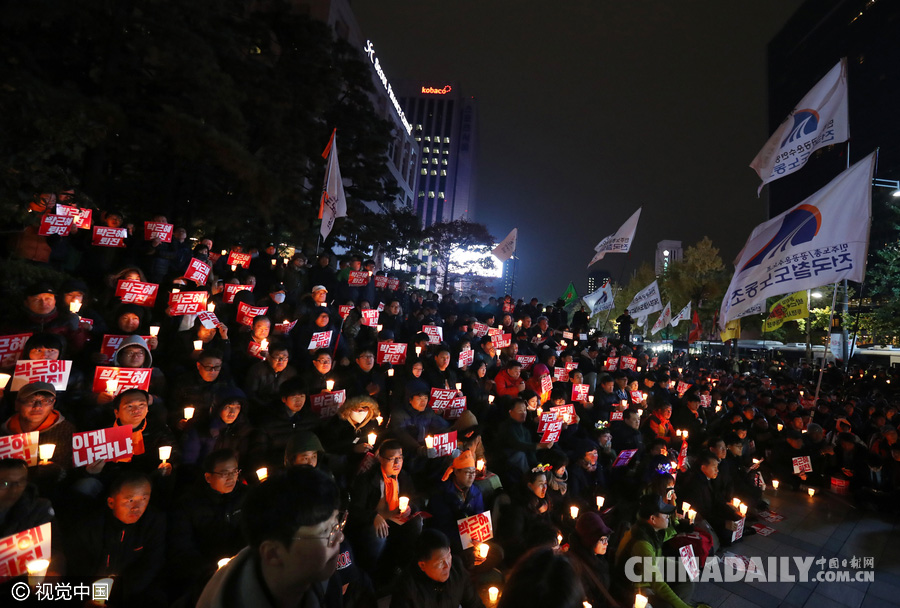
point(593, 532)
point(457, 497)
point(303, 448)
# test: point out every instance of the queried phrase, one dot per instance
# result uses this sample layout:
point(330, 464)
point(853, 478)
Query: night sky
point(591, 109)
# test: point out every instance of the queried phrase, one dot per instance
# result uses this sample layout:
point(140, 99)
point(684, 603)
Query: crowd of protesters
point(313, 465)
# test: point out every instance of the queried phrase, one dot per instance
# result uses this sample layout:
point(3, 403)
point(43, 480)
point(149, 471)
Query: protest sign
point(123, 378)
point(326, 404)
point(11, 347)
point(42, 370)
point(23, 446)
point(158, 230)
point(392, 352)
point(104, 444)
point(187, 302)
point(136, 292)
point(475, 529)
point(18, 549)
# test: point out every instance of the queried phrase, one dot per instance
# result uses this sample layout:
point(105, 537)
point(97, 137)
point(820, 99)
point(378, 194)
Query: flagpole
point(618, 286)
point(512, 286)
point(827, 344)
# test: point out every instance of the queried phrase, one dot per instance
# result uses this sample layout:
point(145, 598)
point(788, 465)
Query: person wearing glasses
point(380, 531)
point(205, 524)
point(588, 546)
point(36, 411)
point(294, 529)
point(265, 378)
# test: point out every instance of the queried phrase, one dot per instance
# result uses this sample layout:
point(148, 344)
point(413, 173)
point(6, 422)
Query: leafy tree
point(442, 239)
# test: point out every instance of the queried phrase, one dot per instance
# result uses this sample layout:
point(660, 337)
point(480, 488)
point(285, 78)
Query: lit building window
point(426, 149)
point(443, 173)
point(418, 139)
point(431, 194)
point(421, 194)
point(424, 171)
point(446, 140)
point(444, 162)
point(433, 172)
point(441, 195)
point(428, 138)
point(434, 161)
point(418, 127)
point(424, 161)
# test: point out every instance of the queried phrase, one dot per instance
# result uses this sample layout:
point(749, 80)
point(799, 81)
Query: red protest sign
point(480, 329)
point(613, 416)
point(560, 374)
point(546, 383)
point(284, 328)
point(11, 348)
point(391, 352)
point(111, 343)
point(501, 340)
point(602, 341)
point(494, 331)
point(255, 349)
point(441, 398)
point(475, 529)
point(580, 392)
point(526, 360)
point(705, 400)
point(320, 339)
point(738, 529)
point(326, 405)
point(198, 272)
point(231, 290)
point(187, 302)
point(123, 378)
point(435, 333)
point(246, 313)
point(552, 432)
point(571, 365)
point(358, 278)
point(18, 549)
point(23, 446)
point(466, 357)
point(567, 335)
point(802, 464)
point(105, 444)
point(629, 363)
point(682, 454)
point(344, 310)
point(457, 407)
point(238, 259)
point(81, 217)
point(43, 370)
point(682, 388)
point(369, 317)
point(393, 283)
point(624, 458)
point(109, 237)
point(158, 230)
point(545, 419)
point(55, 224)
point(691, 564)
point(654, 361)
point(611, 365)
point(381, 282)
point(209, 320)
point(444, 444)
point(565, 413)
point(637, 397)
point(136, 292)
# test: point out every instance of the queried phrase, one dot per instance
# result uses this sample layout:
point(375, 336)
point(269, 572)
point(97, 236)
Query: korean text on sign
point(158, 230)
point(198, 271)
point(20, 548)
point(11, 348)
point(23, 446)
point(187, 302)
point(326, 405)
point(52, 372)
point(444, 444)
point(104, 444)
point(475, 529)
point(392, 352)
point(136, 292)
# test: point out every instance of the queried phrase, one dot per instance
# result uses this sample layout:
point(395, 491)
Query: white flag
point(684, 315)
point(504, 250)
point(641, 321)
point(645, 301)
point(600, 300)
point(333, 204)
point(820, 119)
point(821, 240)
point(620, 242)
point(665, 317)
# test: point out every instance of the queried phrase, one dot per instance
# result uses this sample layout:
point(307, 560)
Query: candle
point(679, 370)
point(459, 386)
point(756, 461)
point(718, 402)
point(274, 261)
point(639, 368)
point(198, 344)
point(429, 442)
point(643, 396)
point(371, 438)
point(233, 267)
point(573, 511)
point(164, 452)
point(37, 570)
point(264, 345)
point(418, 350)
point(211, 306)
point(558, 538)
point(812, 492)
point(223, 561)
point(779, 426)
point(4, 380)
point(735, 501)
point(46, 452)
point(718, 408)
point(685, 435)
point(111, 386)
point(678, 433)
point(379, 328)
point(404, 503)
point(539, 411)
point(493, 593)
point(75, 306)
point(640, 413)
point(262, 473)
point(479, 464)
point(379, 419)
point(154, 330)
point(691, 515)
point(175, 290)
point(483, 549)
point(640, 601)
point(685, 507)
point(100, 585)
point(490, 398)
point(586, 604)
point(743, 510)
point(600, 501)
point(391, 372)
point(224, 251)
point(329, 385)
point(188, 413)
point(774, 484)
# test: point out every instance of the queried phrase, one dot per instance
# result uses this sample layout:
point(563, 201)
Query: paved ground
point(824, 526)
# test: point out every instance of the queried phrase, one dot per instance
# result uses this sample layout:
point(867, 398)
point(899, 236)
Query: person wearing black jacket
point(435, 579)
point(278, 424)
point(126, 541)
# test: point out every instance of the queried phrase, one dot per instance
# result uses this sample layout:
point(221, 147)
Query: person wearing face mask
point(346, 437)
point(276, 300)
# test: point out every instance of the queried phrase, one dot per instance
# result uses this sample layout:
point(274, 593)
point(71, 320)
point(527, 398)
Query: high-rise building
point(444, 123)
point(666, 253)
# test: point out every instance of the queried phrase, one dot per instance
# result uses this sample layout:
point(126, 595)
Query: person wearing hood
point(320, 323)
point(224, 426)
point(588, 545)
point(415, 419)
point(534, 383)
point(347, 435)
point(134, 353)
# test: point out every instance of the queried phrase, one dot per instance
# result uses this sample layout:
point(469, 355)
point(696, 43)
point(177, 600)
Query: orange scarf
point(15, 424)
point(137, 441)
point(391, 492)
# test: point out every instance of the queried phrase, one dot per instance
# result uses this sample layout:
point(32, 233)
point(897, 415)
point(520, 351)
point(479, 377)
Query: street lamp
point(816, 295)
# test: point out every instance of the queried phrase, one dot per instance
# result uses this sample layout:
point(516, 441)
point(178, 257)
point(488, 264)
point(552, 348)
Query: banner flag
point(731, 330)
point(664, 319)
point(620, 242)
point(821, 240)
point(684, 315)
point(645, 301)
point(333, 204)
point(789, 308)
point(504, 250)
point(820, 119)
point(600, 300)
